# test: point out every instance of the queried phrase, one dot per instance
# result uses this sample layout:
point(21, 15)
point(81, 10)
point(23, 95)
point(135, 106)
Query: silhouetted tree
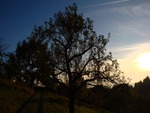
point(33, 60)
point(12, 71)
point(142, 97)
point(3, 47)
point(143, 87)
point(78, 54)
point(101, 94)
point(121, 97)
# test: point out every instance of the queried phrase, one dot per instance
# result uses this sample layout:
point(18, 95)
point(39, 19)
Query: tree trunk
point(71, 102)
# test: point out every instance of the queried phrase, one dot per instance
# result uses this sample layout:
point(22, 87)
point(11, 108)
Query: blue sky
point(128, 21)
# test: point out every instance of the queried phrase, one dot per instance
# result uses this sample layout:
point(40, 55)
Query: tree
point(32, 60)
point(142, 96)
point(78, 54)
point(143, 87)
point(12, 67)
point(120, 99)
point(3, 47)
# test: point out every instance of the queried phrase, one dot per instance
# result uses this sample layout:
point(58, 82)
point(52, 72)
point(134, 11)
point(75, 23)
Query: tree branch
point(60, 82)
point(80, 54)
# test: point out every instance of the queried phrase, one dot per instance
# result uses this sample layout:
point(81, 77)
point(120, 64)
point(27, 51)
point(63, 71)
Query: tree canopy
point(3, 48)
point(65, 51)
point(77, 54)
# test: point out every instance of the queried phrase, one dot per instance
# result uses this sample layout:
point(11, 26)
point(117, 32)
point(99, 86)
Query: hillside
point(16, 98)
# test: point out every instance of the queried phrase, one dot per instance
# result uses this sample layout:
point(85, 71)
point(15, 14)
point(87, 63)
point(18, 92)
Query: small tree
point(3, 48)
point(78, 54)
point(32, 61)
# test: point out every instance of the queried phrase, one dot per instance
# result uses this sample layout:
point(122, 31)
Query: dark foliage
point(77, 54)
point(3, 48)
point(122, 98)
point(66, 56)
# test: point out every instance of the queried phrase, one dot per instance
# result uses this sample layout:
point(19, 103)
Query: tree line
point(121, 98)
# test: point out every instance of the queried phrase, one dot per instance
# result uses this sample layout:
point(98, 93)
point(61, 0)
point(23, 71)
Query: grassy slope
point(14, 97)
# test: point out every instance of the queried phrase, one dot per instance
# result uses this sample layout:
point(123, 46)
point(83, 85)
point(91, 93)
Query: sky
point(128, 21)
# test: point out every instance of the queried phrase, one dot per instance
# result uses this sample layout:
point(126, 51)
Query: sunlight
point(144, 61)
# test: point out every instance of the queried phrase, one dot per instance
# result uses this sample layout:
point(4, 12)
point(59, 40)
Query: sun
point(144, 61)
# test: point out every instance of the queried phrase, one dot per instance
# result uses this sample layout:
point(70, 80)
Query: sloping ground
point(12, 96)
point(18, 99)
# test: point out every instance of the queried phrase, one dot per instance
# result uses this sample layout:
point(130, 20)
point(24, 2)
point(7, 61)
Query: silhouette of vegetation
point(30, 63)
point(77, 54)
point(143, 87)
point(33, 58)
point(66, 51)
point(121, 98)
point(12, 95)
point(66, 58)
point(20, 99)
point(3, 48)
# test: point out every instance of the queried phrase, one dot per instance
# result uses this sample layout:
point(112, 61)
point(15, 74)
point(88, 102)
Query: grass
point(14, 96)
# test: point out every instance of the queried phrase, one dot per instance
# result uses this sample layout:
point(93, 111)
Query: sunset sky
point(128, 21)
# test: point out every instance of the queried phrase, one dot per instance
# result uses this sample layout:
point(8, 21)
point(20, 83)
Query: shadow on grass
point(40, 106)
point(23, 106)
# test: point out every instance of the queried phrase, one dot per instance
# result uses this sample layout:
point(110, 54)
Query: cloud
point(130, 50)
point(131, 19)
point(129, 25)
point(107, 3)
point(134, 10)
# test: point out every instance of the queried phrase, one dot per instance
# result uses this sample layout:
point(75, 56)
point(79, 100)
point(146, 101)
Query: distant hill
point(16, 98)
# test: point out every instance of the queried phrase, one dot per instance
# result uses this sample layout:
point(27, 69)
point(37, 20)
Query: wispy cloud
point(134, 10)
point(129, 25)
point(131, 52)
point(108, 3)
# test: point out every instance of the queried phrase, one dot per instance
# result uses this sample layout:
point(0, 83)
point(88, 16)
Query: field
point(16, 98)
